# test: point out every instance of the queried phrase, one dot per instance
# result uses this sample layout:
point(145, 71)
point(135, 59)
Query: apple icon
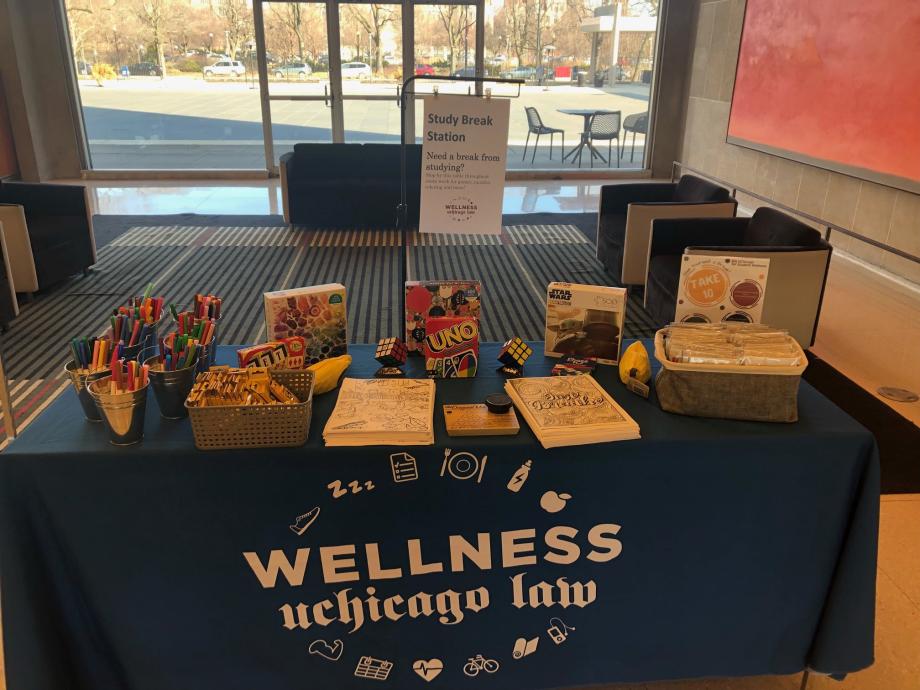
point(552, 502)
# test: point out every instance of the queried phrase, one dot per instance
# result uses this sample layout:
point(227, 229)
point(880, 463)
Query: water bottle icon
point(518, 478)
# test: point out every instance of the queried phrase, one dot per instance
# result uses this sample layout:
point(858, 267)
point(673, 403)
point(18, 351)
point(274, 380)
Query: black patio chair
point(637, 123)
point(605, 127)
point(535, 126)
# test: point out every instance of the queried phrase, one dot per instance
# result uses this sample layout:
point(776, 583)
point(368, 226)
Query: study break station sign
point(463, 164)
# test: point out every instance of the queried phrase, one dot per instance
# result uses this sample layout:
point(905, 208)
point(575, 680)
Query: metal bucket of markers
point(122, 413)
point(135, 353)
point(80, 382)
point(208, 356)
point(171, 387)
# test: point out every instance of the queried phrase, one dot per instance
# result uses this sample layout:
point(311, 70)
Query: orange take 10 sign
point(706, 286)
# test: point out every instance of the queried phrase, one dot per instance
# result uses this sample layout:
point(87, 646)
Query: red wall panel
point(834, 82)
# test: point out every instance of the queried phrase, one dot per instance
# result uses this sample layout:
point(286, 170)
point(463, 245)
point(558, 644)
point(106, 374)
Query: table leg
point(596, 153)
point(572, 153)
point(804, 684)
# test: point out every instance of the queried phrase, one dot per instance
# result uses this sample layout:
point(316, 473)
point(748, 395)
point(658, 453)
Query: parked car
point(300, 70)
point(145, 69)
point(356, 70)
point(465, 72)
point(225, 68)
point(424, 69)
point(520, 73)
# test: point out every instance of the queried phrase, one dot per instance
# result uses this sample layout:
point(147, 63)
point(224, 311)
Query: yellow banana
point(634, 362)
point(328, 372)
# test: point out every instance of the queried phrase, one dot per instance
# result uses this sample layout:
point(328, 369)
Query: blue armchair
point(627, 210)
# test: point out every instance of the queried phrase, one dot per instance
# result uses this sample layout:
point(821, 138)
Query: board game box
point(451, 347)
point(277, 354)
point(316, 313)
point(584, 321)
point(431, 298)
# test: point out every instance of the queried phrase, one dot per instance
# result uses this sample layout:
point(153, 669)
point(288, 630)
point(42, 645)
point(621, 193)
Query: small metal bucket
point(122, 413)
point(171, 388)
point(80, 382)
point(136, 352)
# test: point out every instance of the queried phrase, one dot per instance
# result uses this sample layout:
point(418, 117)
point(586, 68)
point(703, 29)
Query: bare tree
point(156, 16)
point(291, 17)
point(237, 22)
point(373, 21)
point(456, 22)
point(517, 18)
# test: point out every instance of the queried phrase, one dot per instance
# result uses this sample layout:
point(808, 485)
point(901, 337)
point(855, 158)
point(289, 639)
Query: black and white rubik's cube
point(514, 353)
point(391, 352)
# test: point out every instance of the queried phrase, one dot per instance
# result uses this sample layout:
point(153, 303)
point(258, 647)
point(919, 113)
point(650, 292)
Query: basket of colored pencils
point(90, 362)
point(122, 400)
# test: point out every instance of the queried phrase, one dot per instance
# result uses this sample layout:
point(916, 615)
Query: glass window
point(296, 51)
point(583, 65)
point(146, 98)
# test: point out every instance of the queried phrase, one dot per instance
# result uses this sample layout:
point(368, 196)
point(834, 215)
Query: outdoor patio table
point(707, 548)
point(587, 114)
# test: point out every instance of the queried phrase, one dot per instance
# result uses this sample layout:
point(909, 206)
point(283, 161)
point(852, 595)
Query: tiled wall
point(889, 215)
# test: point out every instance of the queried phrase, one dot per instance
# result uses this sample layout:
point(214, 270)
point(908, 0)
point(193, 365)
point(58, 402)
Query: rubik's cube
point(391, 352)
point(514, 353)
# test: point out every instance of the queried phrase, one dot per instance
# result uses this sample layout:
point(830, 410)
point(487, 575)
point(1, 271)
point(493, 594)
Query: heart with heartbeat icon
point(428, 670)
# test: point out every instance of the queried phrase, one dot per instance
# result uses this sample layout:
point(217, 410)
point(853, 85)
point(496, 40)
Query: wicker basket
point(760, 394)
point(257, 426)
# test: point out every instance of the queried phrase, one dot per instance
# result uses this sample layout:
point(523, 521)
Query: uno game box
point(433, 298)
point(451, 347)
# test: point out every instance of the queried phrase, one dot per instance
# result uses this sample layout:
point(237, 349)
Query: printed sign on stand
point(465, 143)
point(721, 288)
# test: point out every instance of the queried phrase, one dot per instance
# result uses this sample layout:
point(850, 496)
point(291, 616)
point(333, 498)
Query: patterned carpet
point(239, 259)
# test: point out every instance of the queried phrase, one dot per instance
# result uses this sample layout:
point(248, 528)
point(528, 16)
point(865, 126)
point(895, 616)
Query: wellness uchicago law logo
point(460, 209)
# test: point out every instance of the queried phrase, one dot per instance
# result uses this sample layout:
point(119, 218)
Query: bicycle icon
point(480, 663)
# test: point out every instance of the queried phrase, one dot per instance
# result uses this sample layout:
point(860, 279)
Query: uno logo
point(706, 286)
point(455, 335)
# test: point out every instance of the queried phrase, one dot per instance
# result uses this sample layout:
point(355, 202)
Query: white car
point(225, 68)
point(356, 70)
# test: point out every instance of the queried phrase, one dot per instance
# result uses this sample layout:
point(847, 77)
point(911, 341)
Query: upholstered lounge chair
point(799, 260)
point(627, 210)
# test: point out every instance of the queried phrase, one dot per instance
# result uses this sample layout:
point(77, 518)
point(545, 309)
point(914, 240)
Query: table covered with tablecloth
point(707, 548)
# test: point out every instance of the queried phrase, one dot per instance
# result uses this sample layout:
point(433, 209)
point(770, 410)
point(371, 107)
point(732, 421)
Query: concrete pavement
point(186, 123)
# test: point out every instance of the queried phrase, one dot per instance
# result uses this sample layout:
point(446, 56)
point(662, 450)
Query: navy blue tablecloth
point(707, 548)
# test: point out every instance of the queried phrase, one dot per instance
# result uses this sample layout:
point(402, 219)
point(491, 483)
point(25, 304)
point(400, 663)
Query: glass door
point(332, 70)
point(296, 77)
point(372, 71)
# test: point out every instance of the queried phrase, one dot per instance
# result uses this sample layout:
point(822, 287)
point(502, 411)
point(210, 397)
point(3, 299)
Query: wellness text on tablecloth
point(350, 607)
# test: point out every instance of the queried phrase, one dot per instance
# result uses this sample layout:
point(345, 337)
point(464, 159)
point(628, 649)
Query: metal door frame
point(335, 98)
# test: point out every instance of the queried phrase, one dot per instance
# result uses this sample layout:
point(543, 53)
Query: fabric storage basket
point(760, 394)
point(257, 426)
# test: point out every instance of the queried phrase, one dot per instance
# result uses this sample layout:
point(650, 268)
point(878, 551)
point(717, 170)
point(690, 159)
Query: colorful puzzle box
point(433, 298)
point(317, 313)
point(585, 321)
point(451, 347)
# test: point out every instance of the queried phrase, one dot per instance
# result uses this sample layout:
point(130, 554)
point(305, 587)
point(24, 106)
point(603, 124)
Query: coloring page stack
point(377, 412)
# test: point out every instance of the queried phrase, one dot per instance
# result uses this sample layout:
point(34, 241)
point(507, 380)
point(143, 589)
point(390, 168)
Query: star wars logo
point(560, 294)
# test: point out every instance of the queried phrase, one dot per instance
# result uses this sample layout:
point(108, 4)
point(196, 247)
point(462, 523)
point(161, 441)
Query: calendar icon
point(373, 669)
